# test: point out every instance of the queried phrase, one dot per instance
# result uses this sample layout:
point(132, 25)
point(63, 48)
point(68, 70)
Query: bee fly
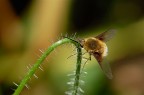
point(96, 47)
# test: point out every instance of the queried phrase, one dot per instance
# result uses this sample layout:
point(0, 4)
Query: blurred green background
point(29, 25)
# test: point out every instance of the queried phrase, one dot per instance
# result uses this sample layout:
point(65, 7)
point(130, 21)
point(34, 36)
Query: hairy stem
point(42, 58)
point(78, 70)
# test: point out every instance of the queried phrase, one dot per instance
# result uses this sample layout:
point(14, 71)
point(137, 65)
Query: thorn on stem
point(35, 76)
point(26, 85)
point(41, 68)
point(15, 84)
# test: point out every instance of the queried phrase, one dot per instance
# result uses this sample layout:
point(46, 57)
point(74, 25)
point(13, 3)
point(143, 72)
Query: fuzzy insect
point(97, 47)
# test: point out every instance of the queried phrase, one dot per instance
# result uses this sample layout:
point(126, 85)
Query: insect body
point(96, 47)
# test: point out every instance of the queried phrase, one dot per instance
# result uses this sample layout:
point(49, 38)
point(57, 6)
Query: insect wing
point(105, 66)
point(106, 36)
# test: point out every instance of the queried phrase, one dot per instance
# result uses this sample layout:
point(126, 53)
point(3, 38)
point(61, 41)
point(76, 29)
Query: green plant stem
point(78, 70)
point(42, 58)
